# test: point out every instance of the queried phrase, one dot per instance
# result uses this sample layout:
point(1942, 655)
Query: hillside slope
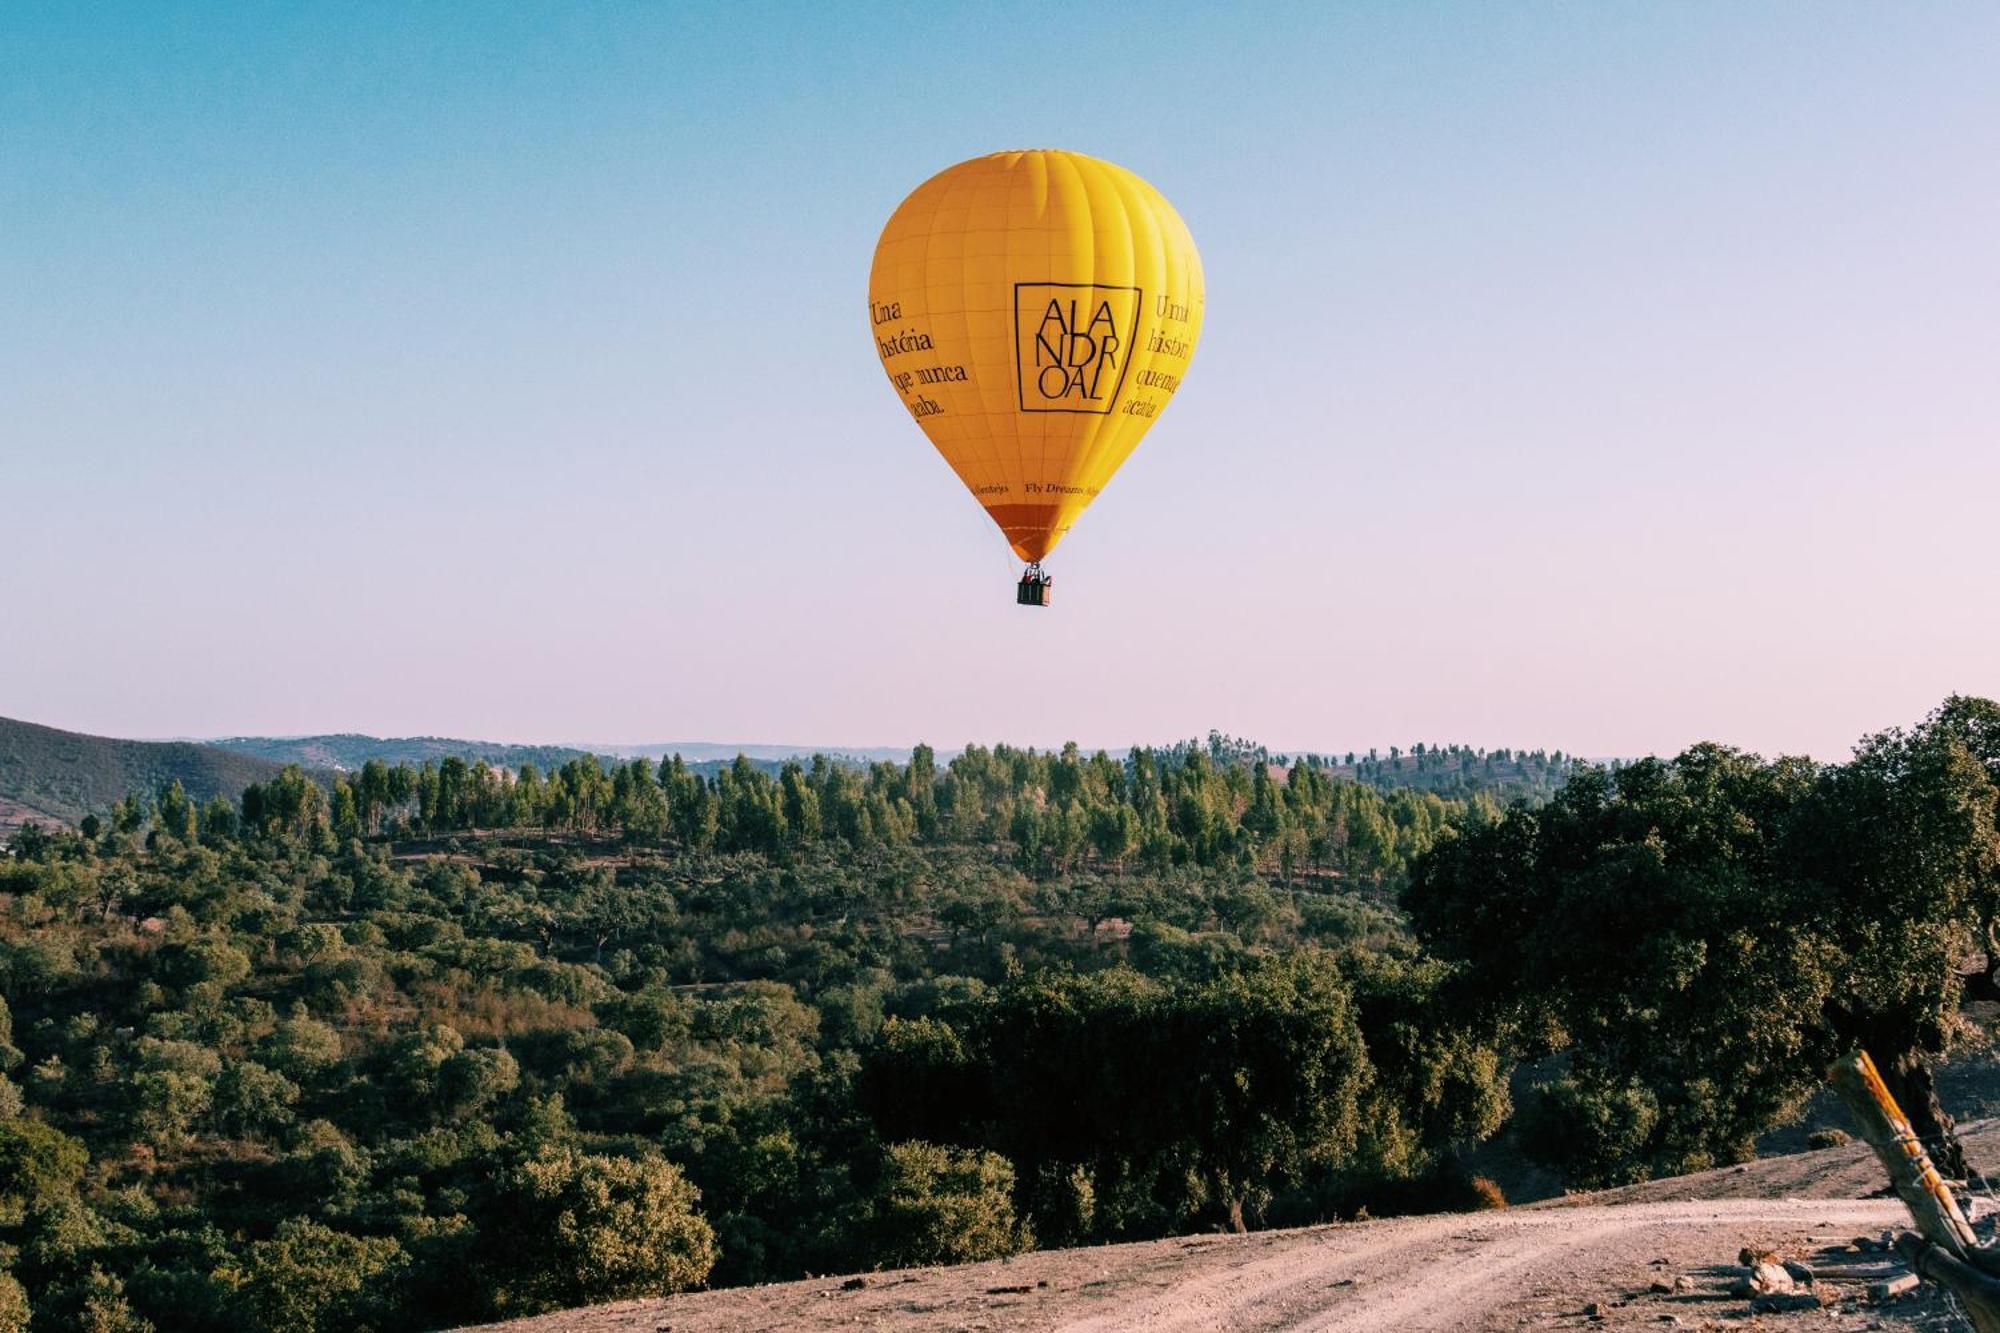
point(347, 751)
point(1538, 1266)
point(61, 776)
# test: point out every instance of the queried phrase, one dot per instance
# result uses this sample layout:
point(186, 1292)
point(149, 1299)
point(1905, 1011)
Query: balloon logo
point(1035, 312)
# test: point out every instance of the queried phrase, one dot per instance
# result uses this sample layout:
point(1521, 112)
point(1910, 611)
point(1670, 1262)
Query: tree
point(940, 1205)
point(289, 805)
point(218, 821)
point(346, 810)
point(1974, 724)
point(38, 1164)
point(639, 806)
point(800, 804)
point(1704, 935)
point(1638, 921)
point(93, 1302)
point(470, 1080)
point(309, 1277)
point(1178, 1101)
point(1900, 851)
point(14, 1311)
point(250, 1099)
point(571, 1228)
point(302, 1047)
point(174, 813)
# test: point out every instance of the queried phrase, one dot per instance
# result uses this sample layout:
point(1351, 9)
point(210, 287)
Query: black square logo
point(1072, 342)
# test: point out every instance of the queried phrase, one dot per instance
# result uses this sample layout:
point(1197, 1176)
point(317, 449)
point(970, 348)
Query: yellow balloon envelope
point(1035, 312)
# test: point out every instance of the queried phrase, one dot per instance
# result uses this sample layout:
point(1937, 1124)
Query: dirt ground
point(1585, 1261)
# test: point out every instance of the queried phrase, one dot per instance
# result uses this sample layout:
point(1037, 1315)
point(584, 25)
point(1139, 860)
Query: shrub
point(310, 1277)
point(938, 1205)
point(572, 1228)
point(1595, 1133)
point(37, 1164)
point(13, 1305)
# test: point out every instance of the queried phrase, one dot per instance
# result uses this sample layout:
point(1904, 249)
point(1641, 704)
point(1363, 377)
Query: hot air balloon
point(1035, 312)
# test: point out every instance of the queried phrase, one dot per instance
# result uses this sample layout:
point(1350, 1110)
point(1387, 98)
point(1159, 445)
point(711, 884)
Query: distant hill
point(52, 776)
point(61, 776)
point(348, 751)
point(706, 751)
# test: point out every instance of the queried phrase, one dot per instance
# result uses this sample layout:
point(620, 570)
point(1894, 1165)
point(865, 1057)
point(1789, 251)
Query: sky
point(1605, 378)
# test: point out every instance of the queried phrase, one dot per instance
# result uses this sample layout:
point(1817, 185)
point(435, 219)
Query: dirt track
point(1533, 1267)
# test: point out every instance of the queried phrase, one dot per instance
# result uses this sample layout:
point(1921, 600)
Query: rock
point(1594, 1310)
point(1661, 1287)
point(1683, 1284)
point(854, 1284)
point(1783, 1302)
point(1766, 1279)
point(1801, 1273)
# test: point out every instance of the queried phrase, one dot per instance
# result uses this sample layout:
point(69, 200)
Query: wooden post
point(1888, 1132)
point(1978, 1293)
point(1948, 1252)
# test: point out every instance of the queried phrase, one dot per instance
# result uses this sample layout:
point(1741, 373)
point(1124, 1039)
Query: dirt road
point(1529, 1267)
point(1587, 1261)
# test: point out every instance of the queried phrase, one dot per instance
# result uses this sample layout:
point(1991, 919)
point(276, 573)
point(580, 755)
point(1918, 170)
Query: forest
point(422, 1046)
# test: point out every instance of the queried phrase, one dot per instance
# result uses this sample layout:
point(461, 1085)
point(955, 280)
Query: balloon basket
point(1034, 588)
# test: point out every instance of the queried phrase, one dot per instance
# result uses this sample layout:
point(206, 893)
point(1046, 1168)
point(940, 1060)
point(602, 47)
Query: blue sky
point(1603, 377)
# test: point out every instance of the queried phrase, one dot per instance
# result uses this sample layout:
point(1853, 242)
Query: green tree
point(942, 1205)
point(1638, 922)
point(1181, 1102)
point(94, 1302)
point(252, 1100)
point(174, 813)
point(1703, 935)
point(572, 1228)
point(800, 804)
point(309, 1277)
point(38, 1164)
point(14, 1311)
point(1899, 855)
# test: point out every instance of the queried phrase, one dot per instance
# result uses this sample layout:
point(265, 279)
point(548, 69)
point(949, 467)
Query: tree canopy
point(424, 1045)
point(1700, 936)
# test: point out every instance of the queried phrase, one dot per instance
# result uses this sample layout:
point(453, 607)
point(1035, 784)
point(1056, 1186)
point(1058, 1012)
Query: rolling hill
point(346, 751)
point(60, 776)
